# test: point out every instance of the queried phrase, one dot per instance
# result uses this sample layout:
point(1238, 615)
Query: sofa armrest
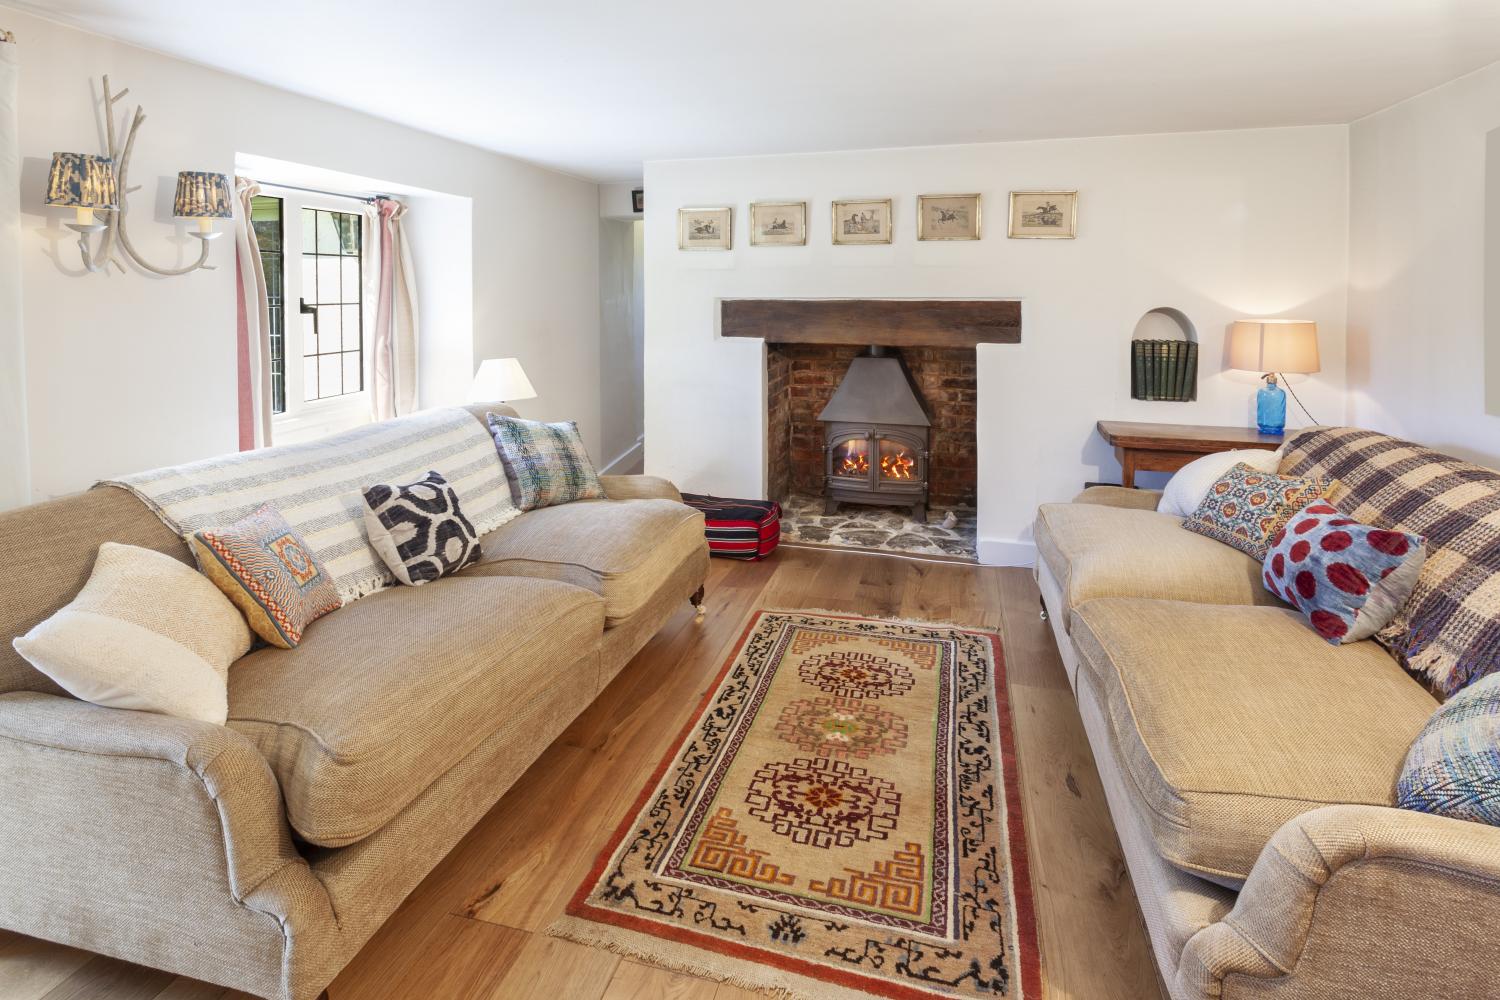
point(639, 488)
point(1357, 901)
point(147, 836)
point(1120, 496)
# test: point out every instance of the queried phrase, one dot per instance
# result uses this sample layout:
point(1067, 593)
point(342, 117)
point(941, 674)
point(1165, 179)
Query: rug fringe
point(915, 622)
point(746, 975)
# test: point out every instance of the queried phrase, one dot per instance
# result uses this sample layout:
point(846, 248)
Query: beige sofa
point(1250, 767)
point(263, 854)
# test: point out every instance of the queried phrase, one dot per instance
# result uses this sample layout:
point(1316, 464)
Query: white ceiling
point(596, 87)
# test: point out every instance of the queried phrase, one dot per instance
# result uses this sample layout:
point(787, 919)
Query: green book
point(1190, 371)
point(1137, 369)
point(1175, 379)
point(1163, 369)
point(1148, 347)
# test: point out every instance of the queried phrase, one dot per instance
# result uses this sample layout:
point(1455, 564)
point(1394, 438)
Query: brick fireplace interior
point(800, 380)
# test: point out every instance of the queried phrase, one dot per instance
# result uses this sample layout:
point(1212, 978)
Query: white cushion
point(147, 633)
point(1190, 484)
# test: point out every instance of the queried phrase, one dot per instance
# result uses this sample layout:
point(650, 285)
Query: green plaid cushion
point(545, 463)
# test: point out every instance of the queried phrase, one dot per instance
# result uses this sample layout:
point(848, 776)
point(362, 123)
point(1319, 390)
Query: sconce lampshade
point(1287, 346)
point(82, 180)
point(202, 194)
point(500, 379)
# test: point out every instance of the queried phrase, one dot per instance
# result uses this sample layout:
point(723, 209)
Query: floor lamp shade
point(500, 380)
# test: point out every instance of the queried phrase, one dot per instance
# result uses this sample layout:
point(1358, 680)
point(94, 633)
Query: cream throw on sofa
point(319, 487)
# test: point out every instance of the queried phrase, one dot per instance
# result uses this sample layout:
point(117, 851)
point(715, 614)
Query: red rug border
point(1020, 864)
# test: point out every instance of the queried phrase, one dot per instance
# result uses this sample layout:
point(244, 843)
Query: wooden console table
point(1168, 447)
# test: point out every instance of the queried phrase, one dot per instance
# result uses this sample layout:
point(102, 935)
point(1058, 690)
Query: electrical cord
point(1309, 416)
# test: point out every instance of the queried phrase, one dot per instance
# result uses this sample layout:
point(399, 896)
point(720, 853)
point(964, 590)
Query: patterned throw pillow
point(1453, 767)
point(419, 530)
point(1348, 579)
point(270, 574)
point(1246, 507)
point(545, 463)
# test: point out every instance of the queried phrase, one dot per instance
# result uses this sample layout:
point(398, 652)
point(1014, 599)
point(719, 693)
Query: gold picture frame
point(705, 228)
point(863, 221)
point(948, 217)
point(778, 223)
point(1043, 215)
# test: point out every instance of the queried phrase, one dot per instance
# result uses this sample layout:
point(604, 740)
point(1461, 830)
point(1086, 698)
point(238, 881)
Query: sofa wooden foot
point(1043, 602)
point(323, 995)
point(697, 601)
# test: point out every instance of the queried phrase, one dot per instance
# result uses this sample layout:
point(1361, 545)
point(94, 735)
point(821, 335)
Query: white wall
point(1221, 225)
point(125, 372)
point(15, 460)
point(1416, 262)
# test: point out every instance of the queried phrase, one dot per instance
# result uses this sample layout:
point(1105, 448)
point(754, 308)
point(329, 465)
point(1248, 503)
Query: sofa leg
point(697, 602)
point(323, 995)
point(1043, 603)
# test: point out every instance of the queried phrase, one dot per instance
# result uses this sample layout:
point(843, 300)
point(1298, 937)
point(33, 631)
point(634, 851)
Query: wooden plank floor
point(473, 928)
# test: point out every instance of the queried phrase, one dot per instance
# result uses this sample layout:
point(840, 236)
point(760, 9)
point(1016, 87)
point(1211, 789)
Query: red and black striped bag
point(738, 529)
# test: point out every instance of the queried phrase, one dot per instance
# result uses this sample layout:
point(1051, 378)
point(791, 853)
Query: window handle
point(308, 310)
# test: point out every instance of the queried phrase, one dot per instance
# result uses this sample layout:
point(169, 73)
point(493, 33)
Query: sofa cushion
point(1097, 550)
point(620, 549)
point(388, 693)
point(1230, 721)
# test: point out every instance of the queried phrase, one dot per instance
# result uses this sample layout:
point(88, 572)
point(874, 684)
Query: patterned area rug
point(840, 820)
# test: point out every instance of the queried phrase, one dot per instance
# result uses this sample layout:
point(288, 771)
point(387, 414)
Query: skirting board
point(630, 461)
point(1006, 552)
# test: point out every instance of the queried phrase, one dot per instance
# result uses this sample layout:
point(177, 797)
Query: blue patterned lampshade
point(82, 181)
point(202, 194)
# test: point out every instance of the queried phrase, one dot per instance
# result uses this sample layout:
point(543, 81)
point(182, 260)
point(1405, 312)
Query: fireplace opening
point(873, 447)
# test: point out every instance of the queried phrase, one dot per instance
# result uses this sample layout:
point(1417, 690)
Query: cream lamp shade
point(1287, 346)
point(500, 380)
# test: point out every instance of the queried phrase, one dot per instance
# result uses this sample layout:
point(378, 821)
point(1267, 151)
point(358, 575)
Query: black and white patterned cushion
point(419, 529)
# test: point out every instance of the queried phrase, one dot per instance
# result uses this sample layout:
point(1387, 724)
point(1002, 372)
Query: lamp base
point(1270, 408)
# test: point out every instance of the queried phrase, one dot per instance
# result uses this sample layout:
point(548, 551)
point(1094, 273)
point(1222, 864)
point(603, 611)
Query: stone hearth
point(882, 529)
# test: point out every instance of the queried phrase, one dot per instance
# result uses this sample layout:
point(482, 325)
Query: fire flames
point(899, 465)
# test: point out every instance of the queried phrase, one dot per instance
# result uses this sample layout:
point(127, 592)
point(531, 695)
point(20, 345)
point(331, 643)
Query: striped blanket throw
point(1450, 628)
point(318, 487)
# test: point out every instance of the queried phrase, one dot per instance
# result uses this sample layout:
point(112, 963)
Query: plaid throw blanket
point(318, 487)
point(1450, 629)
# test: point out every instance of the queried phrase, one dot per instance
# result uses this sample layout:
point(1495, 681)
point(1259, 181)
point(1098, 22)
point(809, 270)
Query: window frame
point(306, 419)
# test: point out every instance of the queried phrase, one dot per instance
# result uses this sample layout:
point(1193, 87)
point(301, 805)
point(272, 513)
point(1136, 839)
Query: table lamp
point(1273, 347)
point(500, 380)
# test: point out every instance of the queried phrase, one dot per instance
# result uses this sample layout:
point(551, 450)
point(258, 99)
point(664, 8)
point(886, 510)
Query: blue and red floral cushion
point(1348, 579)
point(1246, 506)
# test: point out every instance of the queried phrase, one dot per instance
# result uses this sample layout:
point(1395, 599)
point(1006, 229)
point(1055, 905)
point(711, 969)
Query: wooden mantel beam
point(886, 322)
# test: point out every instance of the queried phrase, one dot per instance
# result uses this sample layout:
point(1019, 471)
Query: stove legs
point(919, 513)
point(830, 506)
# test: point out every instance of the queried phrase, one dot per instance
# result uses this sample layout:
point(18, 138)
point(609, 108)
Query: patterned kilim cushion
point(1246, 507)
point(268, 571)
point(1453, 768)
point(1348, 579)
point(545, 463)
point(419, 529)
point(1450, 629)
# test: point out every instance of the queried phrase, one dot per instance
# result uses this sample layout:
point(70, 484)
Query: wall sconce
point(95, 185)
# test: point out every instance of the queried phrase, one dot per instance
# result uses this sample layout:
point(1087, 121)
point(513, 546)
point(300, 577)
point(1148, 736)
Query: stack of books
point(1164, 369)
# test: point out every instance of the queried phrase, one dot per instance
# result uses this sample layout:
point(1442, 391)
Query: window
point(311, 251)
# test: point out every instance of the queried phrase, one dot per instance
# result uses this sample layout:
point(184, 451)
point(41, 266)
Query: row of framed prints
point(860, 222)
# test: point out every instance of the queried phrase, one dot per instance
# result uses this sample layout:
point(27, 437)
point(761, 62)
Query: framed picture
point(778, 223)
point(948, 217)
point(857, 223)
point(638, 200)
point(705, 228)
point(1043, 215)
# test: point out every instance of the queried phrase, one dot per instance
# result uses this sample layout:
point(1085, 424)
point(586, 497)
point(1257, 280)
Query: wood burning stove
point(876, 437)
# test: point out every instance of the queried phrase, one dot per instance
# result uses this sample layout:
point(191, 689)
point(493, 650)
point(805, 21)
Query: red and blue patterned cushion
point(1348, 579)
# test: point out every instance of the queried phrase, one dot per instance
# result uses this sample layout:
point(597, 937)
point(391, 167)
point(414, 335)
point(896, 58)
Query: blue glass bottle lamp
point(1273, 348)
